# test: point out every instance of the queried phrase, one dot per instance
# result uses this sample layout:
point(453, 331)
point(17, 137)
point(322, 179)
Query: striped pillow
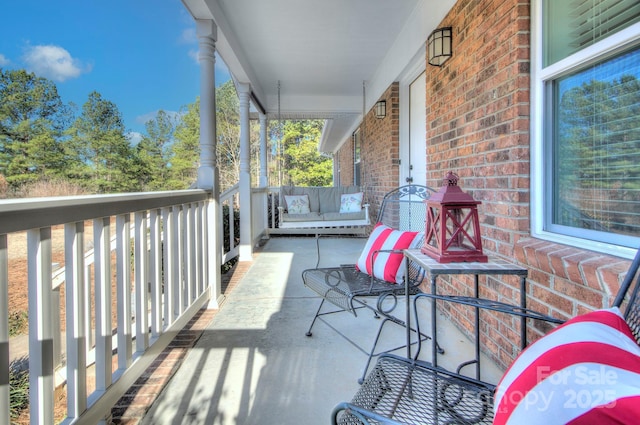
point(586, 371)
point(387, 266)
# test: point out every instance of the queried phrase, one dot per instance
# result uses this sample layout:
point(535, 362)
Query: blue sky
point(139, 54)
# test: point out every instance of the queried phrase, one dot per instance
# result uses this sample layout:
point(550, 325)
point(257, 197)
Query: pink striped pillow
point(387, 266)
point(586, 371)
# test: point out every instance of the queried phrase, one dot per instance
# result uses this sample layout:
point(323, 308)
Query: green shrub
point(18, 387)
point(18, 321)
point(236, 234)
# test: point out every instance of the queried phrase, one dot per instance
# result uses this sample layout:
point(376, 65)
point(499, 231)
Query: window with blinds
point(595, 149)
point(572, 25)
point(356, 158)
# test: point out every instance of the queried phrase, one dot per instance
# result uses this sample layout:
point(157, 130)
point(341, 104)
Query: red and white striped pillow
point(387, 266)
point(586, 371)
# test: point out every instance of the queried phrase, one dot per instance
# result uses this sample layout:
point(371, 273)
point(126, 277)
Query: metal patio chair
point(406, 391)
point(350, 290)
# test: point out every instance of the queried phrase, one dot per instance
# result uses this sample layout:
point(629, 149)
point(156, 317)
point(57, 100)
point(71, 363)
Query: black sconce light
point(381, 109)
point(439, 46)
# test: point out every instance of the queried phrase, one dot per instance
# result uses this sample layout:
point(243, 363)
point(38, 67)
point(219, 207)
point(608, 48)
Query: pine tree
point(185, 151)
point(32, 121)
point(153, 151)
point(99, 140)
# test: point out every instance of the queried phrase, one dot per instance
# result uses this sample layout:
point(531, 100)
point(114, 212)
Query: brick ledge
point(596, 271)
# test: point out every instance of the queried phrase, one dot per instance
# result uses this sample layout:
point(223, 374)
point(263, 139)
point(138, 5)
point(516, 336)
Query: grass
point(18, 387)
point(18, 369)
point(18, 322)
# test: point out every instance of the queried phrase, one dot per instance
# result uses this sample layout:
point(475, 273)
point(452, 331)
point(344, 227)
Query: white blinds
point(572, 25)
point(592, 20)
point(597, 145)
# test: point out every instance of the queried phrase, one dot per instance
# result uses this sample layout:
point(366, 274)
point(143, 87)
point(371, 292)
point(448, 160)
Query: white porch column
point(264, 182)
point(208, 177)
point(246, 236)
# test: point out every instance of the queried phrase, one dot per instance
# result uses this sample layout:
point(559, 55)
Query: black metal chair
point(406, 391)
point(350, 290)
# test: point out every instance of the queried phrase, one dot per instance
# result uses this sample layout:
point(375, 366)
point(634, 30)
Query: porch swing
point(319, 210)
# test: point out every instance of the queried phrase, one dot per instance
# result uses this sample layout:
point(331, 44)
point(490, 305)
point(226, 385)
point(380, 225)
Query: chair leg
point(371, 353)
point(314, 318)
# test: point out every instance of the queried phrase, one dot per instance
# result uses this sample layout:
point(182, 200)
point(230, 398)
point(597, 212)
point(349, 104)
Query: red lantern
point(453, 228)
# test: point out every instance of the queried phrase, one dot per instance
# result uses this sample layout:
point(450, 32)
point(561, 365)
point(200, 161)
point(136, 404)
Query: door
point(417, 167)
point(413, 129)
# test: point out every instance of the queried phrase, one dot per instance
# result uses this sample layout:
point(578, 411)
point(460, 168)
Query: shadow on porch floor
point(250, 362)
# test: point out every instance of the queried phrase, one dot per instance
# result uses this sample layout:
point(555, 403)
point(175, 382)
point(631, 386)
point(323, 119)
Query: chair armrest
point(366, 417)
point(480, 304)
point(492, 305)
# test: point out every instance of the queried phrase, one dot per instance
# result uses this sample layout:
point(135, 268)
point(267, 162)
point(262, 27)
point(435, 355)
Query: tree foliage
point(32, 120)
point(228, 134)
point(99, 141)
point(154, 151)
point(43, 140)
point(183, 169)
point(304, 165)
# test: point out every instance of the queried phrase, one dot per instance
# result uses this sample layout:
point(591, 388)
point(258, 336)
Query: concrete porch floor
point(253, 363)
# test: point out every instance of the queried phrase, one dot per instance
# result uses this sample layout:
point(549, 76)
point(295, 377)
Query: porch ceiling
point(321, 52)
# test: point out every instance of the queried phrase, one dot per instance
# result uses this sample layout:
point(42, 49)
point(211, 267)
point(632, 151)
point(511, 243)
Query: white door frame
point(416, 67)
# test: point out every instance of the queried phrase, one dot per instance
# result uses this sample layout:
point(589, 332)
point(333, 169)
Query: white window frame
point(539, 76)
point(357, 157)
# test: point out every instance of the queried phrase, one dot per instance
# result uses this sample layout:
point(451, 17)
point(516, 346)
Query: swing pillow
point(297, 204)
point(351, 202)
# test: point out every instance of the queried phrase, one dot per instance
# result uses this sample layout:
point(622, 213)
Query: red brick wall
point(344, 157)
point(478, 115)
point(380, 151)
point(478, 127)
point(478, 106)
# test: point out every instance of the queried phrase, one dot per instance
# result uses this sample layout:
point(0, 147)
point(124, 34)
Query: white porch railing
point(230, 199)
point(260, 216)
point(271, 203)
point(156, 268)
point(261, 222)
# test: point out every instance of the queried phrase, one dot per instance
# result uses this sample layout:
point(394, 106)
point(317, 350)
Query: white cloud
point(3, 60)
point(53, 62)
point(143, 119)
point(189, 36)
point(193, 54)
point(134, 137)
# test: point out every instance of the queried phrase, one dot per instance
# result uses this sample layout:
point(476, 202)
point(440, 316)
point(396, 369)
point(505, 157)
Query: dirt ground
point(18, 296)
point(17, 250)
point(18, 299)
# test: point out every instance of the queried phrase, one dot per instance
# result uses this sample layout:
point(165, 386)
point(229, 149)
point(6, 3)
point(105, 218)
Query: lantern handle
point(451, 179)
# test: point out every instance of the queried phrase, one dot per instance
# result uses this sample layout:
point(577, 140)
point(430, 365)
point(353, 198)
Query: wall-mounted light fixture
point(439, 46)
point(381, 109)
